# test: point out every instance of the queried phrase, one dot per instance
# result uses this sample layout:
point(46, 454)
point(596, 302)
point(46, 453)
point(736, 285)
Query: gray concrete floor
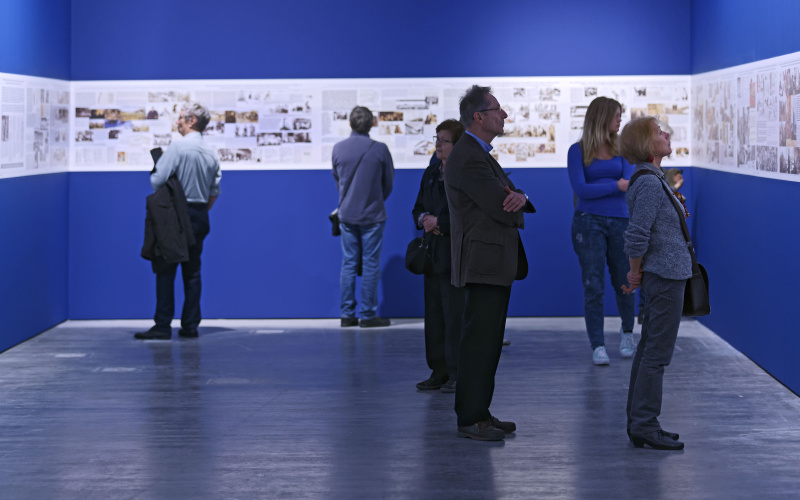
point(305, 409)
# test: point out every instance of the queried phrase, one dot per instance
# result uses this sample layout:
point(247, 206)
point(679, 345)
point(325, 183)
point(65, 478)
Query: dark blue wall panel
point(35, 37)
point(748, 236)
point(156, 39)
point(270, 253)
point(727, 33)
point(33, 256)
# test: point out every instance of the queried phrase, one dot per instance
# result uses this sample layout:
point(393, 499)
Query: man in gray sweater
point(364, 175)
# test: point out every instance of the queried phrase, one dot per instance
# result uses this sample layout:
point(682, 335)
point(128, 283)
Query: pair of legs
point(165, 279)
point(361, 243)
point(444, 312)
point(662, 319)
point(485, 310)
point(599, 241)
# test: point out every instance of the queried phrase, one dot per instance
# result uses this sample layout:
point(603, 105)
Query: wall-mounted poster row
point(293, 124)
point(745, 118)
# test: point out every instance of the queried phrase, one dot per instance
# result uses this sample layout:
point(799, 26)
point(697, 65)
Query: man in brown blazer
point(486, 213)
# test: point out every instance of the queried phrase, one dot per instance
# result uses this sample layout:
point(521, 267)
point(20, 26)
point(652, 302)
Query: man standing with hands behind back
point(486, 213)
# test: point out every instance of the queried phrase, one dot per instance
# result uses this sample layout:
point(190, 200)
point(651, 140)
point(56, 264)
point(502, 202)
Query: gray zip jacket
point(654, 230)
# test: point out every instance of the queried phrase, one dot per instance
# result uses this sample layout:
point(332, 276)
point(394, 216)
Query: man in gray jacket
point(364, 175)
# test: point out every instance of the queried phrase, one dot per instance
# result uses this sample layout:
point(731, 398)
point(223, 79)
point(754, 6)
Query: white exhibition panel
point(745, 118)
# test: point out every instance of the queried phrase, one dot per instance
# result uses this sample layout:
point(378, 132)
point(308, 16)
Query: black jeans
point(444, 312)
point(165, 279)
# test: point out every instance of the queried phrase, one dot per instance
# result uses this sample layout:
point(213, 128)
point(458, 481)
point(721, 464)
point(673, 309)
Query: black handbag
point(334, 216)
point(695, 297)
point(418, 255)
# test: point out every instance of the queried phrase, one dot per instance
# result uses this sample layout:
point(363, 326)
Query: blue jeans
point(598, 240)
point(364, 243)
point(662, 317)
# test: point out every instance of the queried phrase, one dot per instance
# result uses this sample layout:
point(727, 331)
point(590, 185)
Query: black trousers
point(485, 310)
point(444, 312)
point(165, 279)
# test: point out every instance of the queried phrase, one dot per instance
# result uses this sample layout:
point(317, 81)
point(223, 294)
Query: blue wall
point(747, 229)
point(35, 40)
point(154, 39)
point(727, 33)
point(33, 256)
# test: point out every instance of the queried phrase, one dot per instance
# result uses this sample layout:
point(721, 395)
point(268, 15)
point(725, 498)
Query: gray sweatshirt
point(654, 230)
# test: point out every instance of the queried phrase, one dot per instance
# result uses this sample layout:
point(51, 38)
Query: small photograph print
point(152, 114)
point(578, 111)
point(430, 119)
point(432, 100)
point(140, 127)
point(97, 113)
point(412, 104)
point(94, 124)
point(424, 148)
point(247, 117)
point(122, 157)
point(162, 139)
point(128, 115)
point(230, 116)
point(244, 155)
point(390, 116)
point(60, 115)
point(226, 155)
point(215, 128)
point(83, 113)
point(84, 136)
point(340, 115)
point(681, 152)
point(640, 91)
point(767, 158)
point(301, 123)
point(549, 94)
point(746, 157)
point(414, 129)
point(269, 139)
point(391, 129)
point(113, 134)
point(293, 137)
point(590, 92)
point(520, 92)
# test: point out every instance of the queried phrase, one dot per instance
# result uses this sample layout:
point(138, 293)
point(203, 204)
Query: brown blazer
point(485, 247)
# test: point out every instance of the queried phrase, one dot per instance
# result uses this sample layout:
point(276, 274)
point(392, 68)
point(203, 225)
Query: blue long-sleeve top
point(596, 185)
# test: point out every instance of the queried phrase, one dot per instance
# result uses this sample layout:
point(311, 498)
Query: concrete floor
point(305, 409)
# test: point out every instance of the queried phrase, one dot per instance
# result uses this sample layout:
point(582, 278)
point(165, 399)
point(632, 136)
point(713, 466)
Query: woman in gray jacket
point(660, 263)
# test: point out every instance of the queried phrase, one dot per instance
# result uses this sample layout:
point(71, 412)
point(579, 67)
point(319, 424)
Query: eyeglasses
point(443, 141)
point(490, 109)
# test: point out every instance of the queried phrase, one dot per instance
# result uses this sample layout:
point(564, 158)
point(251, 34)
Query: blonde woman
point(599, 178)
point(660, 263)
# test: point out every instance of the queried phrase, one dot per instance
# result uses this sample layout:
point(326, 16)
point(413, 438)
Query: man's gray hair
point(361, 119)
point(200, 112)
point(476, 99)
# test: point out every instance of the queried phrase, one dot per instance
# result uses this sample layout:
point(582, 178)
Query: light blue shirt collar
point(486, 147)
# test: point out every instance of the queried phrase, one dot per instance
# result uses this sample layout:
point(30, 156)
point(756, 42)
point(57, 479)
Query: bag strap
point(354, 173)
point(678, 208)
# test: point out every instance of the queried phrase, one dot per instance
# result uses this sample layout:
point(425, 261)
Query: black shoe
point(188, 334)
point(672, 435)
point(154, 334)
point(449, 387)
point(482, 431)
point(432, 383)
point(346, 322)
point(657, 440)
point(507, 427)
point(506, 342)
point(375, 322)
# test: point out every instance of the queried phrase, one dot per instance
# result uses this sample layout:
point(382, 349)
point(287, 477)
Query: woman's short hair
point(453, 126)
point(636, 139)
point(199, 112)
point(476, 99)
point(361, 119)
point(595, 128)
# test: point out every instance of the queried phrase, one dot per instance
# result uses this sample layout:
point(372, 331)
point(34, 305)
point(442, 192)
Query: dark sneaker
point(507, 427)
point(449, 387)
point(188, 334)
point(657, 440)
point(346, 322)
point(375, 322)
point(482, 431)
point(154, 334)
point(432, 383)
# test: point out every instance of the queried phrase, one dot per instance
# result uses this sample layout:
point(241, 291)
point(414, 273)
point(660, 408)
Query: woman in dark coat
point(444, 303)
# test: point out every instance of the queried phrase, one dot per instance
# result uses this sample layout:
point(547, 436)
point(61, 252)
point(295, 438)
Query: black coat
point(432, 199)
point(168, 230)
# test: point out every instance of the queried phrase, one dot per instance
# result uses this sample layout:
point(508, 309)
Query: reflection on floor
point(306, 409)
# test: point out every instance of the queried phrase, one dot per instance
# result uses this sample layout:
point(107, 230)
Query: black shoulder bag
point(418, 251)
point(695, 298)
point(334, 216)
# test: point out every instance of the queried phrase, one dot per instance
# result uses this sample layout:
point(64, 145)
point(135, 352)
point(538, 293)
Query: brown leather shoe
point(507, 427)
point(482, 431)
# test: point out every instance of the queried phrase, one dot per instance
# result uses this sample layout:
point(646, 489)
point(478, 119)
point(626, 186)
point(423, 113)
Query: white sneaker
point(599, 356)
point(626, 345)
